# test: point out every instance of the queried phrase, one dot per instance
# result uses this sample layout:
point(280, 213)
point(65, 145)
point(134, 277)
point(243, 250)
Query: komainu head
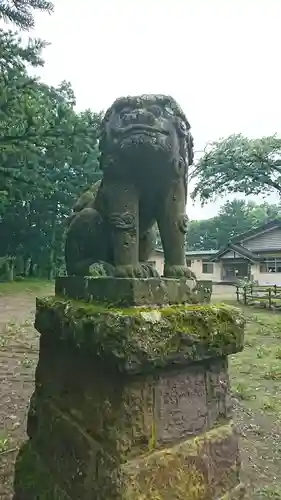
point(147, 130)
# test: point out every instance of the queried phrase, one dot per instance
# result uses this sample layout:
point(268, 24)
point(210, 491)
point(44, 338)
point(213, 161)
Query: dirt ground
point(255, 377)
point(18, 358)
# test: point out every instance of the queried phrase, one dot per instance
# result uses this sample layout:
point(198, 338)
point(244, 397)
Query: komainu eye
point(124, 111)
point(183, 126)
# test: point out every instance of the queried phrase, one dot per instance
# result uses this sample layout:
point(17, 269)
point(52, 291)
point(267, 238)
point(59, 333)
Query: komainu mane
point(145, 150)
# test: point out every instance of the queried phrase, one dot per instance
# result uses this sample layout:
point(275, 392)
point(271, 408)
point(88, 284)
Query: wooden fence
point(268, 297)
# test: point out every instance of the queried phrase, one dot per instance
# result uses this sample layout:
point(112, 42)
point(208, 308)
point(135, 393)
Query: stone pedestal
point(128, 291)
point(131, 403)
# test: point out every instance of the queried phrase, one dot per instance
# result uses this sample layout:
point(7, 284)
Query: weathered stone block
point(132, 403)
point(64, 447)
point(127, 291)
point(198, 469)
point(182, 402)
point(130, 414)
point(33, 479)
point(218, 393)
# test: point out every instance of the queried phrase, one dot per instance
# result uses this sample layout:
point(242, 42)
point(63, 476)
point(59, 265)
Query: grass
point(269, 493)
point(24, 286)
point(256, 372)
point(27, 363)
point(255, 380)
point(255, 376)
point(4, 443)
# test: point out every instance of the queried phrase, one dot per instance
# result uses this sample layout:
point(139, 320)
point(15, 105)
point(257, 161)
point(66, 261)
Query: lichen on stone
point(147, 337)
point(185, 470)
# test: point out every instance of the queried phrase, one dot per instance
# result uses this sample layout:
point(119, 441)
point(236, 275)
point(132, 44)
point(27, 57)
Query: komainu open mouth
point(141, 129)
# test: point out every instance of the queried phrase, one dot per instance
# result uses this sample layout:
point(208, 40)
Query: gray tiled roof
point(194, 252)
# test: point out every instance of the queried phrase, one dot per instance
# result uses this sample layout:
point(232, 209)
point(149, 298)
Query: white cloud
point(219, 59)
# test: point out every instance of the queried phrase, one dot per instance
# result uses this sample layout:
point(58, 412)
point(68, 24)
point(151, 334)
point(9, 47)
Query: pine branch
point(19, 12)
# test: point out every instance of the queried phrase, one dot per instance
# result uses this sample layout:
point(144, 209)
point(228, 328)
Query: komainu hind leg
point(86, 242)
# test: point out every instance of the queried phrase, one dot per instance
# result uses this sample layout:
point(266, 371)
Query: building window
point(271, 265)
point(207, 267)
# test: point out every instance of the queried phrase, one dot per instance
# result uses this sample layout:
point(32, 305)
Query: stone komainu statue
point(145, 149)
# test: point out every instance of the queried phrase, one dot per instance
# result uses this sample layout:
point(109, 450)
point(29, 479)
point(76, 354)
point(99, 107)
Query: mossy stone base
point(131, 404)
point(143, 338)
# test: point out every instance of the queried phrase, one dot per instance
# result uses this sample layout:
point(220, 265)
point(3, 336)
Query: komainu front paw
point(150, 270)
point(179, 272)
point(140, 271)
point(101, 269)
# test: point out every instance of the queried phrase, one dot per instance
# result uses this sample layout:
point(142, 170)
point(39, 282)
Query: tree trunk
point(51, 266)
point(26, 266)
point(10, 269)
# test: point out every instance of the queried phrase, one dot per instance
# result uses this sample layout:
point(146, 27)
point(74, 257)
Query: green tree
point(24, 108)
point(33, 217)
point(234, 218)
point(238, 165)
point(202, 235)
point(48, 155)
point(36, 119)
point(20, 12)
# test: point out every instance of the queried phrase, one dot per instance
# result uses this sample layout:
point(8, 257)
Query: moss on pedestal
point(143, 337)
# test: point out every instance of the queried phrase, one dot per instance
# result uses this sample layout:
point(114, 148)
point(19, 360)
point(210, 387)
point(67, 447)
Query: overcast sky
point(219, 59)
